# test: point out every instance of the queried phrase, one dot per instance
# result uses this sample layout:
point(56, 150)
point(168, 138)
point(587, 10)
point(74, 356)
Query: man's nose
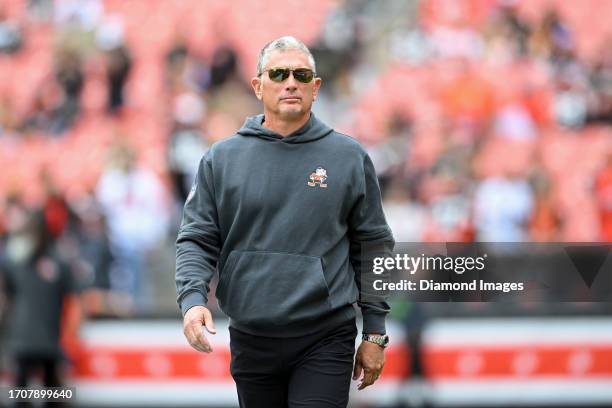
point(290, 83)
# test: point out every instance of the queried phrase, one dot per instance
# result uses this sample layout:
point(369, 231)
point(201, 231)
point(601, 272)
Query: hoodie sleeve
point(367, 226)
point(198, 241)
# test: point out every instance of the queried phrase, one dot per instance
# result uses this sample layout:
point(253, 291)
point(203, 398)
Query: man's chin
point(289, 114)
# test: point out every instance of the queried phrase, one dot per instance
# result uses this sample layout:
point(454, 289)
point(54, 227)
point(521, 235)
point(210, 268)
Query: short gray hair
point(280, 44)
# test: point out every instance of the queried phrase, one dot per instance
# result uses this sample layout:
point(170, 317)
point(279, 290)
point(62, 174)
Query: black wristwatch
point(381, 339)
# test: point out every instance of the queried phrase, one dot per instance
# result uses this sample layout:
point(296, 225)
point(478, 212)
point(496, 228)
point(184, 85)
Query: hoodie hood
point(312, 130)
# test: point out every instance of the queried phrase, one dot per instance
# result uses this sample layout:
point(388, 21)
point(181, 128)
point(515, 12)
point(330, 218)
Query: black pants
point(312, 371)
point(28, 366)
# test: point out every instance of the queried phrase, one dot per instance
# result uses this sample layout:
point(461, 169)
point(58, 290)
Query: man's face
point(289, 99)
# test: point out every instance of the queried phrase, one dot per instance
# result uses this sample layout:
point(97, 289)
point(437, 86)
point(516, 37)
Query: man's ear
point(256, 85)
point(316, 87)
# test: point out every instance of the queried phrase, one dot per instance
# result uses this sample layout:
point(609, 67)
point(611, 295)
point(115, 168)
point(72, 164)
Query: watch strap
point(380, 339)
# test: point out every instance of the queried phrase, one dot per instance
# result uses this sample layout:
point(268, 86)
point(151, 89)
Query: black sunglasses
point(303, 75)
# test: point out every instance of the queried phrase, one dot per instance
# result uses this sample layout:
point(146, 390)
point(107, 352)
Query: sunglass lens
point(278, 75)
point(303, 75)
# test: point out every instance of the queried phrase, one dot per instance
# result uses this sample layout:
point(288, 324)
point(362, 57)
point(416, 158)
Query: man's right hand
point(195, 318)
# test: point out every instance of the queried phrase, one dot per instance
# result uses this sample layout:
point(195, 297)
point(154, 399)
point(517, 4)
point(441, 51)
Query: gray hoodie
point(282, 219)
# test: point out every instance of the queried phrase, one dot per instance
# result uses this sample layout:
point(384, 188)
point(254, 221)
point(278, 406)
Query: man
point(281, 210)
point(44, 310)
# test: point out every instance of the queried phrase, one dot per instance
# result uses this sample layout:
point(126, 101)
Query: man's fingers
point(196, 338)
point(209, 323)
point(370, 375)
point(357, 369)
point(201, 339)
point(198, 347)
point(191, 337)
point(368, 379)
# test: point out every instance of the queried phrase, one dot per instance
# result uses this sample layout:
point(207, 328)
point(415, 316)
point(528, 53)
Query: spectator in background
point(133, 202)
point(57, 102)
point(570, 104)
point(44, 114)
point(118, 64)
point(15, 216)
point(601, 82)
point(226, 91)
point(109, 38)
point(187, 144)
point(185, 71)
point(70, 77)
point(507, 34)
point(406, 217)
point(176, 61)
point(91, 258)
point(389, 155)
point(549, 36)
point(502, 207)
point(42, 300)
point(449, 218)
point(223, 66)
point(55, 208)
point(514, 27)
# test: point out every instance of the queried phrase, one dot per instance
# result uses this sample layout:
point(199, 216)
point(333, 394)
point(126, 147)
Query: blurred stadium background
point(487, 120)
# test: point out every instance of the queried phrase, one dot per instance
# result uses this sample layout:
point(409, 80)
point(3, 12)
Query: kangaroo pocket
point(260, 288)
